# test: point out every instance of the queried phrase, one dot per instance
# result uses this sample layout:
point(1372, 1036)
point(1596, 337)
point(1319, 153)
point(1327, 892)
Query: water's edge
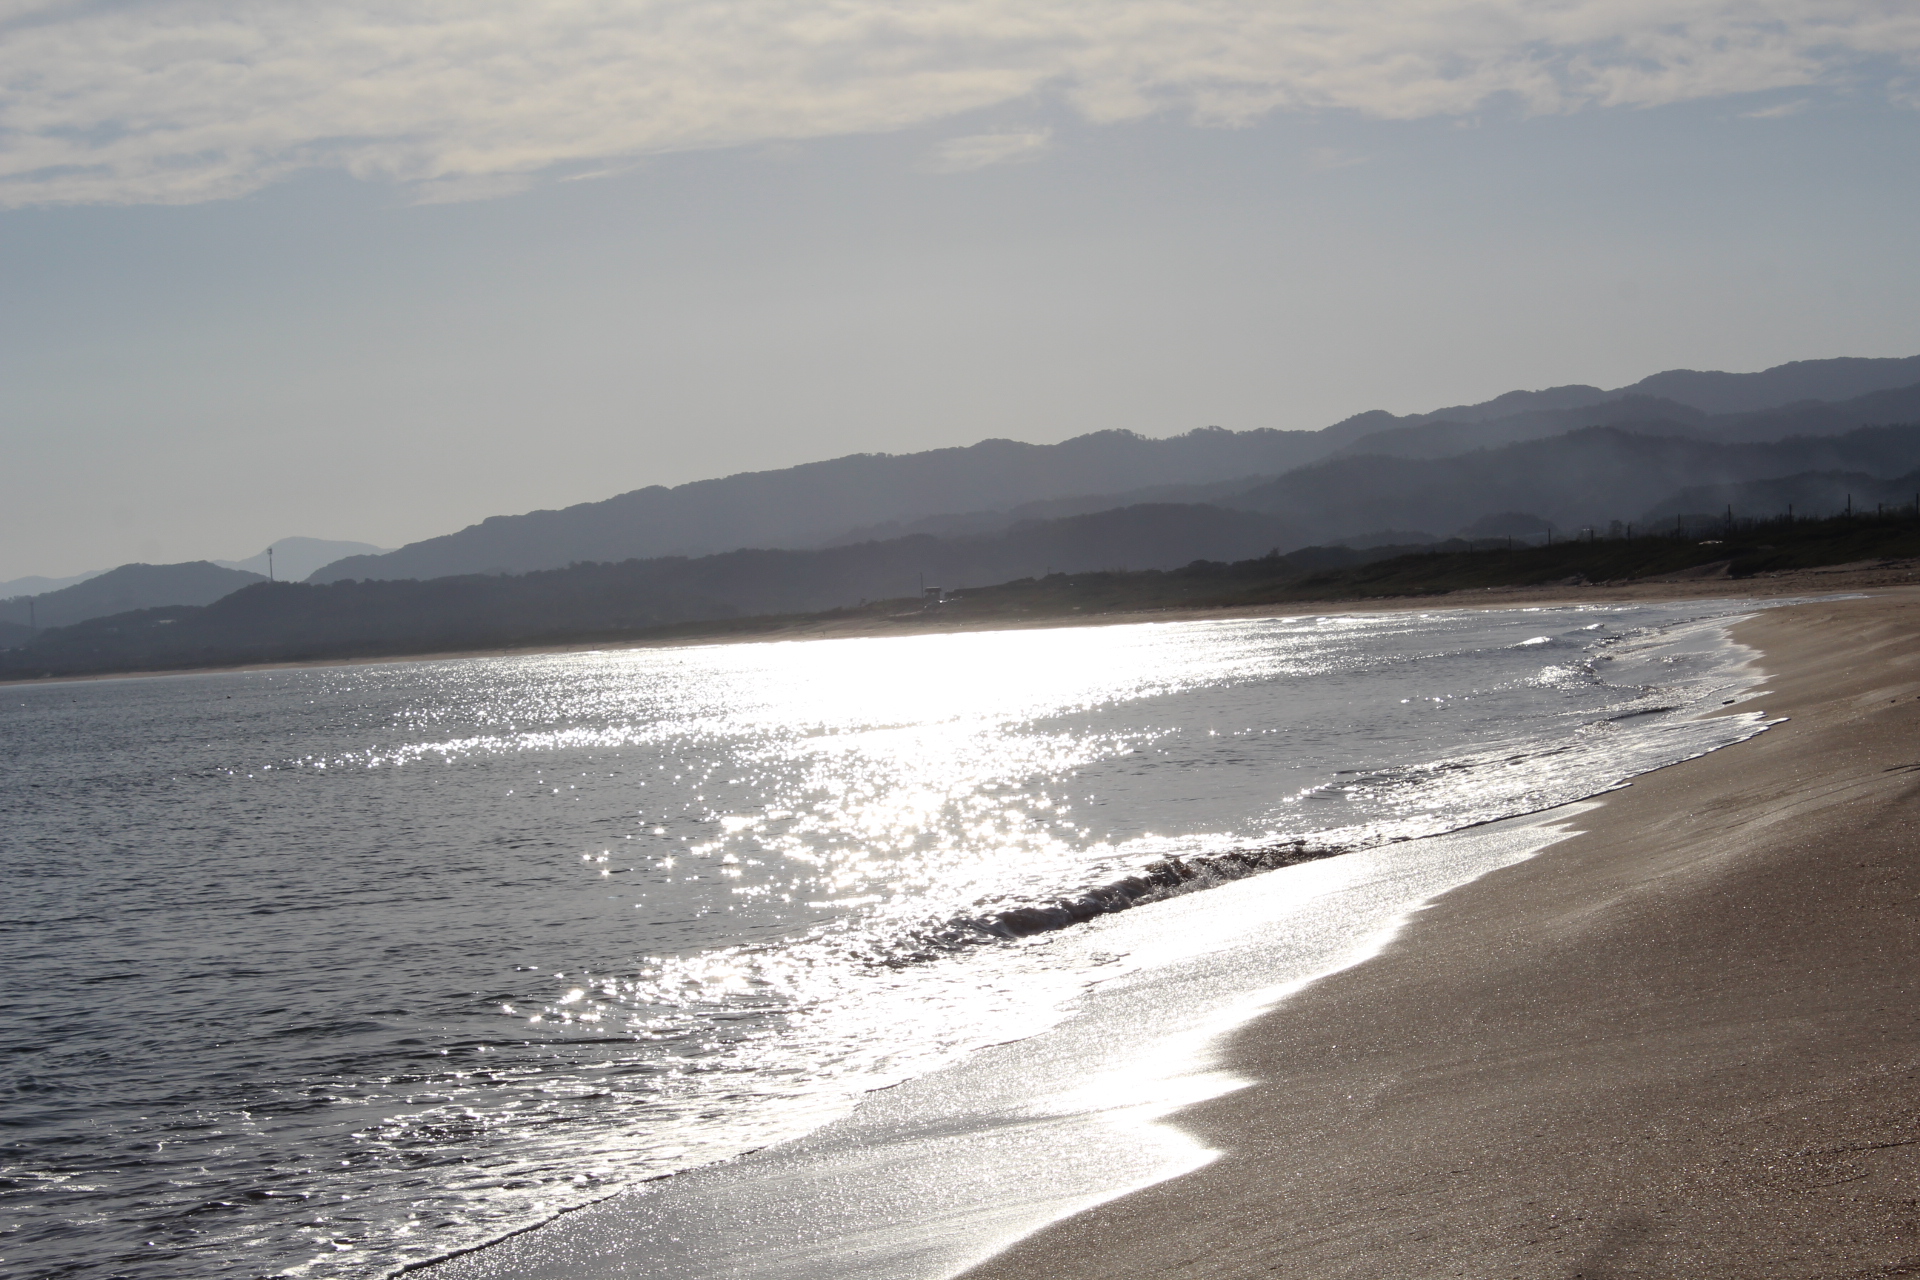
point(737, 1216)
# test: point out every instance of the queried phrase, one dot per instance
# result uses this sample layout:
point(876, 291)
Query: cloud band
point(177, 101)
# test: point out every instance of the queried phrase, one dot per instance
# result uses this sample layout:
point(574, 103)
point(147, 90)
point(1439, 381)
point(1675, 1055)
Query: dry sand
point(1685, 1043)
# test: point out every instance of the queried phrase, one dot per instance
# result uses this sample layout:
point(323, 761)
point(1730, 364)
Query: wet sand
point(1683, 1043)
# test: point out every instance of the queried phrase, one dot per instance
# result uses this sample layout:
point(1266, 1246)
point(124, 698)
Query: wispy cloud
point(1323, 158)
point(185, 100)
point(982, 149)
point(1778, 110)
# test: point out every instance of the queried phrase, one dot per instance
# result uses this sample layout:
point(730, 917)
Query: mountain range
point(995, 483)
point(1596, 475)
point(35, 584)
point(875, 526)
point(292, 559)
point(131, 586)
point(1589, 477)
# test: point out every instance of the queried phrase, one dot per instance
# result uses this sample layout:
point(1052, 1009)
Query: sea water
point(327, 972)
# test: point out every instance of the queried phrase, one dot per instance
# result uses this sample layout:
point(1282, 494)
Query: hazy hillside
point(1838, 379)
point(1445, 437)
point(1809, 493)
point(786, 581)
point(1648, 415)
point(288, 621)
point(295, 558)
point(991, 484)
point(1584, 477)
point(962, 524)
point(34, 584)
point(813, 504)
point(131, 586)
point(1900, 404)
point(1704, 391)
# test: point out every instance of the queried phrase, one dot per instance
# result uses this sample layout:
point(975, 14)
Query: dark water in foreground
point(323, 972)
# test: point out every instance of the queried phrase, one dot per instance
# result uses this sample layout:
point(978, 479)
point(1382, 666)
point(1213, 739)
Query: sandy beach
point(1682, 1043)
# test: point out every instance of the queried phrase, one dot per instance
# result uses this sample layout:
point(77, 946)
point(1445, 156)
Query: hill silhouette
point(295, 558)
point(972, 489)
point(1808, 493)
point(1582, 478)
point(1648, 414)
point(289, 621)
point(597, 604)
point(1659, 459)
point(35, 584)
point(817, 503)
point(1702, 391)
point(1844, 378)
point(131, 586)
point(1444, 437)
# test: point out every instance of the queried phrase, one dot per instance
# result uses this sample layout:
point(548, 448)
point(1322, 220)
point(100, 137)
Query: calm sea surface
point(325, 972)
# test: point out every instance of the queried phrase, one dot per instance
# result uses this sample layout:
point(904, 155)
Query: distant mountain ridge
point(284, 621)
point(36, 585)
point(823, 503)
point(1706, 391)
point(1443, 437)
point(1806, 493)
point(1843, 378)
point(294, 558)
point(1587, 477)
point(811, 505)
point(131, 586)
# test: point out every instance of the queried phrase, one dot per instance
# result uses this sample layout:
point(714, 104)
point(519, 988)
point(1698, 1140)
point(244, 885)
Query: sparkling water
point(380, 962)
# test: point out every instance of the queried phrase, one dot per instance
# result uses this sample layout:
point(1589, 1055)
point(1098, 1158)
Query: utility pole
point(269, 564)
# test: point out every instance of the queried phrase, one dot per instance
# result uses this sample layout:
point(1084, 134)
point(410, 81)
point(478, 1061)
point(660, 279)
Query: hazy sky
point(376, 270)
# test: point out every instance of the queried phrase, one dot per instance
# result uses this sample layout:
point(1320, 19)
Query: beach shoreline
point(1834, 579)
point(1522, 970)
point(773, 1226)
point(1683, 1042)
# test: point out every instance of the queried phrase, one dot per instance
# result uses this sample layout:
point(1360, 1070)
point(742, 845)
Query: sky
point(377, 270)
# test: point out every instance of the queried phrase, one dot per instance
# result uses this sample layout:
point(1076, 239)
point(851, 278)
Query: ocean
point(328, 972)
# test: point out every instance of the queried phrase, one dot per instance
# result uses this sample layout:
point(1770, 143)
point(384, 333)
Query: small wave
point(1161, 879)
point(1641, 711)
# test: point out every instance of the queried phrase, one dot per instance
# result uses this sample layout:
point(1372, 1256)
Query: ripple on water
point(324, 972)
